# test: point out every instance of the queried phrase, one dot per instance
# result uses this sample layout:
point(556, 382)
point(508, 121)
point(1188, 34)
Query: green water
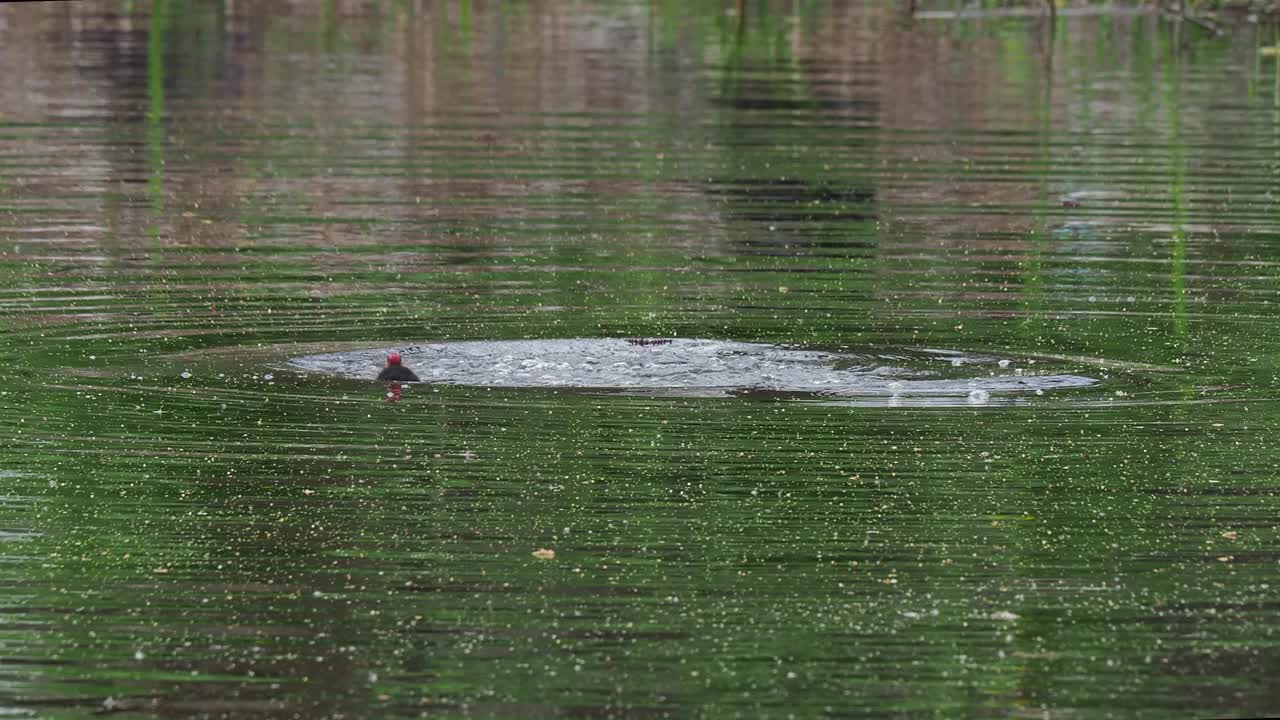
point(191, 194)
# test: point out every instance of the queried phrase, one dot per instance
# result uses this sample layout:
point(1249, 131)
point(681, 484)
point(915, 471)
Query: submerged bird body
point(395, 372)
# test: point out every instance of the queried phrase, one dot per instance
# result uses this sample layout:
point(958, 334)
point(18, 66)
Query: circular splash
point(699, 367)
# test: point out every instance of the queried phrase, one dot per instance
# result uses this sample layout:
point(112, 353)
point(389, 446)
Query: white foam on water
point(701, 367)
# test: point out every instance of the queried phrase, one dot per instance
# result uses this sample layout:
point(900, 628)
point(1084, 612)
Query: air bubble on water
point(979, 397)
point(268, 376)
point(186, 374)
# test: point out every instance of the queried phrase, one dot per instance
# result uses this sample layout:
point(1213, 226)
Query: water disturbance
point(706, 368)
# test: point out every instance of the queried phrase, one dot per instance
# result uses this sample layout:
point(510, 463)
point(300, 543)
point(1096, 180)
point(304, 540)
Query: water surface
point(201, 204)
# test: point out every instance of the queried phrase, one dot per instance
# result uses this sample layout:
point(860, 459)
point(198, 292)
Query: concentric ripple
point(702, 367)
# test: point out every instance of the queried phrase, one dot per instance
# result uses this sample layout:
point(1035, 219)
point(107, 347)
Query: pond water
point(969, 410)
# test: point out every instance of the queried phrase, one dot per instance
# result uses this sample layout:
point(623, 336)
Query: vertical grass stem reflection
point(156, 137)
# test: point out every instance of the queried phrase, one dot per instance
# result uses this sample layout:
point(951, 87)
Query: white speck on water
point(139, 655)
point(957, 362)
point(186, 374)
point(1093, 298)
point(1003, 363)
point(979, 397)
point(1039, 391)
point(93, 357)
point(268, 376)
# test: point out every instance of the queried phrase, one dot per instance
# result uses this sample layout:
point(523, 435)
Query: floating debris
point(978, 397)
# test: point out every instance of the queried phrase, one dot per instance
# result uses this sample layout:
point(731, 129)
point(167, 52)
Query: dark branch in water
point(1180, 13)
